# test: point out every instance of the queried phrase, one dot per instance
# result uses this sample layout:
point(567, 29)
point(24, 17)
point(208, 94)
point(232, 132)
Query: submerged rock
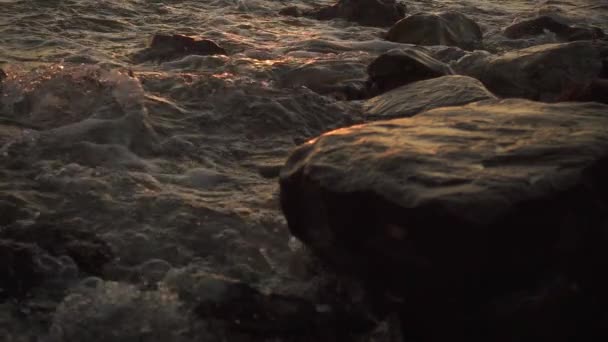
point(402, 66)
point(167, 47)
point(87, 250)
point(379, 13)
point(20, 269)
point(537, 26)
point(551, 72)
point(447, 28)
point(417, 97)
point(454, 216)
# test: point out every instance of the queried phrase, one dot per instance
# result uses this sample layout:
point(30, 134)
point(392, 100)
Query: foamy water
point(166, 161)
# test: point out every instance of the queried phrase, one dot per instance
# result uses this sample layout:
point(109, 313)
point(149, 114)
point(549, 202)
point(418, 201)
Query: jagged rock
point(417, 97)
point(447, 28)
point(167, 47)
point(447, 214)
point(87, 250)
point(20, 268)
point(402, 66)
point(536, 26)
point(380, 13)
point(550, 72)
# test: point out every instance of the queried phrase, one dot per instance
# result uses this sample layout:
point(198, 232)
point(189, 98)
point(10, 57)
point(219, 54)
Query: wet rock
point(20, 270)
point(239, 309)
point(167, 47)
point(537, 26)
point(550, 72)
point(417, 97)
point(447, 214)
point(380, 13)
point(402, 66)
point(447, 28)
point(87, 250)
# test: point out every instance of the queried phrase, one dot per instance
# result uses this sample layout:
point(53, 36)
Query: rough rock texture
point(550, 72)
point(536, 26)
point(473, 222)
point(87, 250)
point(447, 28)
point(417, 97)
point(167, 47)
point(381, 13)
point(402, 66)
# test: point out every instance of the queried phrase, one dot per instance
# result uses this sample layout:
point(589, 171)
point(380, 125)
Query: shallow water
point(164, 161)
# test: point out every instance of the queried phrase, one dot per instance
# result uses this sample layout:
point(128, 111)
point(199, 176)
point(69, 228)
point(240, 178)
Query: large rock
point(464, 217)
point(538, 25)
point(380, 13)
point(550, 72)
point(402, 66)
point(419, 96)
point(447, 28)
point(165, 47)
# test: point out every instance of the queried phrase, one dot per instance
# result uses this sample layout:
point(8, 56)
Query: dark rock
point(238, 308)
point(420, 96)
point(292, 11)
point(447, 28)
point(87, 250)
point(551, 72)
point(539, 25)
point(270, 171)
point(452, 215)
point(167, 47)
point(9, 212)
point(380, 13)
point(20, 270)
point(402, 66)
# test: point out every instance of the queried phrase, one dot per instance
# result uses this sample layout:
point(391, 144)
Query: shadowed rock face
point(402, 66)
point(472, 222)
point(550, 73)
point(447, 28)
point(539, 25)
point(379, 13)
point(417, 97)
point(167, 47)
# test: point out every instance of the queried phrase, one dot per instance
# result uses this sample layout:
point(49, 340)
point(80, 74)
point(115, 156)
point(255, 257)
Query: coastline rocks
point(456, 213)
point(165, 47)
point(447, 28)
point(550, 72)
point(420, 96)
point(537, 26)
point(402, 66)
point(379, 13)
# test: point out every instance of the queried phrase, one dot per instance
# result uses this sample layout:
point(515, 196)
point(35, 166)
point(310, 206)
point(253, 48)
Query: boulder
point(413, 98)
point(164, 47)
point(88, 251)
point(402, 66)
point(379, 13)
point(550, 72)
point(447, 28)
point(538, 25)
point(454, 214)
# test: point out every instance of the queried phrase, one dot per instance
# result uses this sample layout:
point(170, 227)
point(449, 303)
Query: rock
point(444, 214)
point(87, 250)
point(167, 47)
point(411, 99)
point(537, 26)
point(379, 13)
point(20, 269)
point(292, 11)
point(402, 66)
point(447, 28)
point(550, 72)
